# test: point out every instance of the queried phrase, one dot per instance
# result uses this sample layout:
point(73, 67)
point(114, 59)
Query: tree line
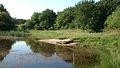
point(85, 15)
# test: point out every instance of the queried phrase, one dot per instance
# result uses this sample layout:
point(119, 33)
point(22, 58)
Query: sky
point(23, 9)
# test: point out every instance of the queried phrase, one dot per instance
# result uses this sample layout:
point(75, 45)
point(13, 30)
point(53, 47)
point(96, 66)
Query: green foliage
point(41, 21)
point(19, 21)
point(6, 22)
point(83, 16)
point(108, 6)
point(21, 27)
point(80, 16)
point(34, 20)
point(103, 9)
point(47, 19)
point(29, 24)
point(87, 15)
point(65, 19)
point(113, 21)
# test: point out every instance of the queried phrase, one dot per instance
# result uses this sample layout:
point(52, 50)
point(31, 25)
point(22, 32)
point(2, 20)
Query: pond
point(31, 54)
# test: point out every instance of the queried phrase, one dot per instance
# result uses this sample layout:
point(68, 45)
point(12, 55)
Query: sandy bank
point(60, 42)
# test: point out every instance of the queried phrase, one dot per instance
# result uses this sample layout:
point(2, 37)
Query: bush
point(113, 21)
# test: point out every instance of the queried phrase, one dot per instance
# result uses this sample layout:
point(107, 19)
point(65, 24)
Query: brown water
point(29, 54)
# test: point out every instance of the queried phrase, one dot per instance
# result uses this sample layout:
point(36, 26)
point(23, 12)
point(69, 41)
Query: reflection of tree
point(42, 48)
point(5, 46)
point(65, 54)
point(79, 58)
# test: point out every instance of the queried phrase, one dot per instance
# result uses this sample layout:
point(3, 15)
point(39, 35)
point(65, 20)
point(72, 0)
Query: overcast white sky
point(25, 8)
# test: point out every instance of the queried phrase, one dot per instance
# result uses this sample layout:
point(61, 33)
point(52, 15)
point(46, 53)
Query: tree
point(65, 19)
point(30, 24)
point(41, 21)
point(103, 9)
point(93, 15)
point(84, 14)
point(87, 15)
point(19, 21)
point(113, 21)
point(6, 21)
point(109, 6)
point(47, 19)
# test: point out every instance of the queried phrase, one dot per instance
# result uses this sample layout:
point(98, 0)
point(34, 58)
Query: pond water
point(19, 54)
point(30, 54)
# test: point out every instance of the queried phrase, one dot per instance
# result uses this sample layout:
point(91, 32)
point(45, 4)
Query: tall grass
point(13, 33)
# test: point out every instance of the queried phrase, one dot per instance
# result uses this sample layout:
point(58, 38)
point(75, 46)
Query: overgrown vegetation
point(85, 15)
point(82, 38)
point(113, 21)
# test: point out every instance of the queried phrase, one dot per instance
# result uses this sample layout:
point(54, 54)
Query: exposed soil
point(61, 42)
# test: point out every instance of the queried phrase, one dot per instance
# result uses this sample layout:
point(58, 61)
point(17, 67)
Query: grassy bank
point(83, 38)
point(13, 33)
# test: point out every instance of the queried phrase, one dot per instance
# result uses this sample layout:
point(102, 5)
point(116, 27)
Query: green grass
point(13, 33)
point(83, 38)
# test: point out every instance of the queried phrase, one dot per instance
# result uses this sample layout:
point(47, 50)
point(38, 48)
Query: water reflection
point(32, 54)
point(42, 48)
point(5, 46)
point(78, 59)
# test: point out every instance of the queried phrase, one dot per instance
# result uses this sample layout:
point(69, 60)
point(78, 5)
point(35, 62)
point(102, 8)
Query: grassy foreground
point(109, 38)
